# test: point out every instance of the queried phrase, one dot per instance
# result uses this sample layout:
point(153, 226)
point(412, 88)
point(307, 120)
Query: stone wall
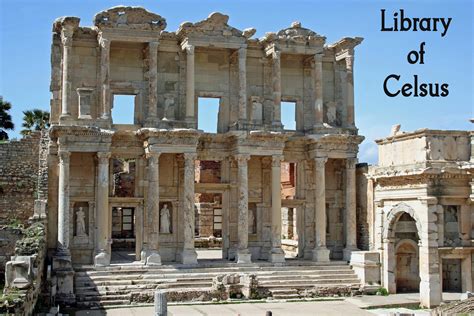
point(18, 178)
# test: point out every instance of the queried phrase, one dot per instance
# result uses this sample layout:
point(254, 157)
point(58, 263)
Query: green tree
point(6, 122)
point(34, 120)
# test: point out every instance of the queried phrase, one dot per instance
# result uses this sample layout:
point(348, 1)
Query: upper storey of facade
point(128, 52)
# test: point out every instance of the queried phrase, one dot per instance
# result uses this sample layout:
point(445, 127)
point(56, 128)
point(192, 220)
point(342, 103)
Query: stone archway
point(397, 256)
point(407, 275)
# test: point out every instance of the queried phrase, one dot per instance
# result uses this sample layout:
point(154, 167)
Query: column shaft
point(153, 208)
point(318, 90)
point(189, 255)
point(63, 203)
point(104, 77)
point(276, 81)
point(189, 82)
point(277, 254)
point(242, 84)
point(102, 207)
point(66, 39)
point(320, 252)
point(152, 81)
point(351, 216)
point(350, 89)
point(243, 254)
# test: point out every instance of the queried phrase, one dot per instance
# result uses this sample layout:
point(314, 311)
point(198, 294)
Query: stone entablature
point(426, 148)
point(168, 71)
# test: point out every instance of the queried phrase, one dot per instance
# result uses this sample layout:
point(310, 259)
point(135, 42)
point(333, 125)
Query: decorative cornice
point(126, 17)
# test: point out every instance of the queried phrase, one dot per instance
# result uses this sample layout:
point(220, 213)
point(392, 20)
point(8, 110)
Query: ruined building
point(129, 52)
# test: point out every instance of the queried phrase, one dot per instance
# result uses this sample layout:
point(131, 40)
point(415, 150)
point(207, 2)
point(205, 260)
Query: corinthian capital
point(351, 163)
point(320, 161)
point(104, 42)
point(276, 160)
point(64, 156)
point(242, 159)
point(103, 157)
point(153, 158)
point(189, 49)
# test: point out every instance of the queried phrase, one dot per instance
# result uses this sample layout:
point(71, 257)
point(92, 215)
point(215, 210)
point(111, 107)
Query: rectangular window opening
point(123, 111)
point(208, 112)
point(288, 115)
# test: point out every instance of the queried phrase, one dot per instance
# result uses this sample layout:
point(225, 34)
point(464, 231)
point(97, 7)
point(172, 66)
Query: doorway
point(407, 275)
point(452, 281)
point(208, 225)
point(123, 234)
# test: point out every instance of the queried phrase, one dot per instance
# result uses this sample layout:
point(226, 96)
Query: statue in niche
point(81, 223)
point(165, 220)
point(168, 111)
point(331, 113)
point(252, 228)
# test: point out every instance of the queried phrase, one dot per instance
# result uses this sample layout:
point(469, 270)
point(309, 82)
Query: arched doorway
point(407, 275)
point(401, 251)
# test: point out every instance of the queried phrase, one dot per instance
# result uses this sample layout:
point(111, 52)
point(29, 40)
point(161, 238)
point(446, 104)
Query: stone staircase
point(121, 285)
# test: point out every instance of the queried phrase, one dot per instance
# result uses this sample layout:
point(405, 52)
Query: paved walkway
point(336, 308)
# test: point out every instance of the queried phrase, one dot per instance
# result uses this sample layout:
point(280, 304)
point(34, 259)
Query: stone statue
point(80, 223)
point(251, 222)
point(165, 220)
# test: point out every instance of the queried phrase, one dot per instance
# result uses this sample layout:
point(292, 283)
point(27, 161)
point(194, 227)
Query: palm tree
point(5, 119)
point(34, 120)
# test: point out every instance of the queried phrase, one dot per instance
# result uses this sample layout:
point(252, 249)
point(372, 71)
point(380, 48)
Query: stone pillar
point(276, 83)
point(318, 90)
point(389, 265)
point(371, 212)
point(189, 255)
point(320, 251)
point(243, 253)
point(104, 77)
point(153, 209)
point(350, 89)
point(189, 82)
point(242, 84)
point(63, 204)
point(102, 257)
point(430, 278)
point(152, 81)
point(350, 218)
point(66, 39)
point(276, 254)
point(465, 225)
point(62, 265)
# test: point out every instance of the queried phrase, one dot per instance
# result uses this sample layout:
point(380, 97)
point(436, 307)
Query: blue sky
point(25, 37)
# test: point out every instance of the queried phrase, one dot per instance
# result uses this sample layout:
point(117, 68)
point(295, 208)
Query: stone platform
point(212, 279)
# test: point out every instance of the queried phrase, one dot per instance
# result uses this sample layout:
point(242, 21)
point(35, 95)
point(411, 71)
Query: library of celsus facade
point(134, 185)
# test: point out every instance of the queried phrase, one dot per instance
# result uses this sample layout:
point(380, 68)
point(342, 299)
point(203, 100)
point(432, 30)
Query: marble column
point(63, 204)
point(189, 82)
point(350, 224)
point(102, 257)
point(350, 89)
point(276, 83)
point(189, 255)
point(152, 82)
point(371, 212)
point(242, 84)
point(389, 265)
point(243, 253)
point(318, 90)
point(320, 251)
point(153, 209)
point(66, 39)
point(276, 254)
point(104, 78)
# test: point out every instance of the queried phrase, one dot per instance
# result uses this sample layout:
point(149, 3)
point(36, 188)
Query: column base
point(102, 259)
point(189, 256)
point(347, 252)
point(65, 118)
point(321, 254)
point(64, 272)
point(277, 255)
point(244, 256)
point(151, 121)
point(153, 259)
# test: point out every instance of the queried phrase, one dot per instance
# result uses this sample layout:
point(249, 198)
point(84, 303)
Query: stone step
point(286, 296)
point(283, 291)
point(109, 297)
point(306, 276)
point(272, 287)
point(309, 282)
point(101, 302)
point(237, 269)
point(169, 282)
